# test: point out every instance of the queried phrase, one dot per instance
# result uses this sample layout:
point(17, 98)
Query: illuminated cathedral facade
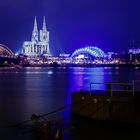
point(39, 44)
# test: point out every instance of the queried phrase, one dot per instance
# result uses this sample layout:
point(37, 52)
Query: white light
point(16, 54)
point(81, 56)
point(50, 72)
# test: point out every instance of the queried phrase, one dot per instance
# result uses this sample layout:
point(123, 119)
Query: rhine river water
point(40, 90)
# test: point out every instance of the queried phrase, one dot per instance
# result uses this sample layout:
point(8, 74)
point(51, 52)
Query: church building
point(39, 44)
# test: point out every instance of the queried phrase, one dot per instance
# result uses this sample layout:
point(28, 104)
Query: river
point(40, 90)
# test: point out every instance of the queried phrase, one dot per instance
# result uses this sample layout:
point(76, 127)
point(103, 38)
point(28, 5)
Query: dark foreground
point(82, 128)
point(88, 129)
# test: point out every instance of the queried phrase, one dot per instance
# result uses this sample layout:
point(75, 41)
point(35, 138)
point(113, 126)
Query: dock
point(121, 105)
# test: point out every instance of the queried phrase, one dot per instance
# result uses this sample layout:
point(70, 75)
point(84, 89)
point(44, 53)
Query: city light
point(37, 53)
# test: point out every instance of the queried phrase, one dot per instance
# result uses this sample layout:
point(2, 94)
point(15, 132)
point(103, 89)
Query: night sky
point(112, 25)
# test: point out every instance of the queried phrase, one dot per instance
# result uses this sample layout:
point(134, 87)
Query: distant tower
point(35, 32)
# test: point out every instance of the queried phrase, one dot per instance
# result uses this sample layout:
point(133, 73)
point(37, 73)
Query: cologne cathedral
point(39, 44)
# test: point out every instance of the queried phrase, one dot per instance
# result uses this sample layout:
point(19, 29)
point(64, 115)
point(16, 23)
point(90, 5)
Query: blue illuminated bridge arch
point(90, 50)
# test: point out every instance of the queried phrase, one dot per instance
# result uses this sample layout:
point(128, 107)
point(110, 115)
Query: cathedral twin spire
point(35, 30)
point(35, 25)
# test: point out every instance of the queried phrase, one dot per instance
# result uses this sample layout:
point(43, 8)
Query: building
point(39, 44)
point(134, 51)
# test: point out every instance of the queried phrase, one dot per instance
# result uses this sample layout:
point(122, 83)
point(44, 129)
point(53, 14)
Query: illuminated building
point(39, 44)
point(90, 50)
point(110, 55)
point(134, 51)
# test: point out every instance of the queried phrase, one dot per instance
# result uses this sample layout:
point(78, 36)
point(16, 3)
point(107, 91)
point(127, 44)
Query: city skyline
point(112, 26)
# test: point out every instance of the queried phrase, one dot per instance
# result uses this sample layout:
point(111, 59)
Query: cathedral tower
point(44, 37)
point(35, 32)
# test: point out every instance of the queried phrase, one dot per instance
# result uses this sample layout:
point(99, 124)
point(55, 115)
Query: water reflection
point(41, 90)
point(82, 77)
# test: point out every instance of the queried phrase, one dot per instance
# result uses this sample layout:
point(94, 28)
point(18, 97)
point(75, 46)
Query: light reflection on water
point(41, 90)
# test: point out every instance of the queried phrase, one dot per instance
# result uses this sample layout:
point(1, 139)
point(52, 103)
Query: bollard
point(57, 135)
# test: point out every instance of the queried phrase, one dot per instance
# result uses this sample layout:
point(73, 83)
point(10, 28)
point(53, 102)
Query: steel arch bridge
point(5, 51)
point(90, 50)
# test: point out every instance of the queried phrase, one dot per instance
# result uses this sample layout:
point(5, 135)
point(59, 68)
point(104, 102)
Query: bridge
point(7, 57)
point(5, 52)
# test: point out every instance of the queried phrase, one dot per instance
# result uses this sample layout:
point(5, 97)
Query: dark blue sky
point(111, 25)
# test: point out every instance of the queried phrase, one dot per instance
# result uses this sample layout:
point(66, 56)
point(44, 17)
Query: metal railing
point(116, 87)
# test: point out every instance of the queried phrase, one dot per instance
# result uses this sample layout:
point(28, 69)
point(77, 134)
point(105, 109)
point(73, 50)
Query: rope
point(45, 115)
